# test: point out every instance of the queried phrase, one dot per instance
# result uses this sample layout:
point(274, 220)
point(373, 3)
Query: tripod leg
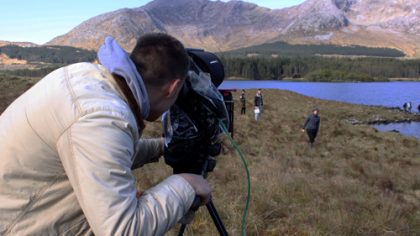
point(182, 229)
point(216, 218)
point(210, 207)
point(190, 215)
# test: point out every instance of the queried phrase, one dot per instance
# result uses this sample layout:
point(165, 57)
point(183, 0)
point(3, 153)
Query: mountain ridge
point(222, 26)
point(20, 44)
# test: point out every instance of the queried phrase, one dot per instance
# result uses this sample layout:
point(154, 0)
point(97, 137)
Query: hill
point(39, 61)
point(222, 26)
point(48, 54)
point(20, 44)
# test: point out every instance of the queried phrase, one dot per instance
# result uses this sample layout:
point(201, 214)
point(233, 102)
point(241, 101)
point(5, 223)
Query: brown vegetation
point(355, 181)
point(11, 87)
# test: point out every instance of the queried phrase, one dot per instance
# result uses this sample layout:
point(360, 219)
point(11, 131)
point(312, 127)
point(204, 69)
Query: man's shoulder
point(105, 101)
point(93, 90)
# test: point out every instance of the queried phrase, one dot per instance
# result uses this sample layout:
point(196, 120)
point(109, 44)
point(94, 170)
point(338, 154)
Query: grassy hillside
point(285, 49)
point(355, 181)
point(39, 61)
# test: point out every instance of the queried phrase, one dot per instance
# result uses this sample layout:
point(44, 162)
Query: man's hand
point(200, 186)
point(303, 130)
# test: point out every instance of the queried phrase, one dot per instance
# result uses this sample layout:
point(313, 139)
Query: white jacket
point(67, 146)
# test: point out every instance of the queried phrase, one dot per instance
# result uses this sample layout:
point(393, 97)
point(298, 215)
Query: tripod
point(208, 166)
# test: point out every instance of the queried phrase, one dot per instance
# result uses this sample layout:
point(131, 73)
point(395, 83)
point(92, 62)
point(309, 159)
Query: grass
point(11, 87)
point(355, 181)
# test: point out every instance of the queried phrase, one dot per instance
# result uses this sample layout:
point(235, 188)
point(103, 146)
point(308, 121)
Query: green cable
point(233, 142)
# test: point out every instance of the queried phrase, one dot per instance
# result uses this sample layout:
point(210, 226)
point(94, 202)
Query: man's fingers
point(200, 186)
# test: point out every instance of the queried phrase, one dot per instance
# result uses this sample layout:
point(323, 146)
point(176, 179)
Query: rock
point(390, 233)
point(417, 193)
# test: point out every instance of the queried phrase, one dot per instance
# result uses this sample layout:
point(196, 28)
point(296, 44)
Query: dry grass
point(11, 87)
point(355, 181)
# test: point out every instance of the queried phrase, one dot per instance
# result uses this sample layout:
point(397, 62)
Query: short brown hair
point(160, 57)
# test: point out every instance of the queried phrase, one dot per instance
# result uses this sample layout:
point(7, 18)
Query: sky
point(39, 21)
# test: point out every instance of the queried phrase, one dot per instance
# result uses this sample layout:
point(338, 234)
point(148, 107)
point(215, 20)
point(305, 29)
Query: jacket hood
point(117, 61)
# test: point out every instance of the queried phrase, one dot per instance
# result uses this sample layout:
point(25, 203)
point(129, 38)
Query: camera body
point(192, 125)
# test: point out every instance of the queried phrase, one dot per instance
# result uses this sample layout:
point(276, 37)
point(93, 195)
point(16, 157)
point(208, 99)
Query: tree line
point(49, 54)
point(316, 68)
point(285, 49)
point(312, 68)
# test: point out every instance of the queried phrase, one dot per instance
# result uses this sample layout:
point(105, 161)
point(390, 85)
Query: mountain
point(221, 26)
point(20, 44)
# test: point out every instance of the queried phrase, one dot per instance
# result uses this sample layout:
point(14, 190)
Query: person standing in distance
point(242, 99)
point(258, 105)
point(311, 126)
point(69, 143)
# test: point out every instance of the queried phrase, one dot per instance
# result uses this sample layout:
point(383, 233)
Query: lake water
point(389, 94)
point(408, 129)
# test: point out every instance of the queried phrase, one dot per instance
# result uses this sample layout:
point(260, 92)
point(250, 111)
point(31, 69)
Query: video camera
point(191, 126)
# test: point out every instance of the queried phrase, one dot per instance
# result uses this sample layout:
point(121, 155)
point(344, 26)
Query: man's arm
point(318, 123)
point(96, 153)
point(147, 150)
point(306, 122)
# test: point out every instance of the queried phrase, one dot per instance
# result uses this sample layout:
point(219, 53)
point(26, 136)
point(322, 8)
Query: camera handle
point(208, 165)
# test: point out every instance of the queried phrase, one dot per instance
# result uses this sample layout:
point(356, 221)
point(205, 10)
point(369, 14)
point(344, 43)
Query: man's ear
point(173, 87)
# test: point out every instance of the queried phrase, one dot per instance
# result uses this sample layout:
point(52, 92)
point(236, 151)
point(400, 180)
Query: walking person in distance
point(311, 126)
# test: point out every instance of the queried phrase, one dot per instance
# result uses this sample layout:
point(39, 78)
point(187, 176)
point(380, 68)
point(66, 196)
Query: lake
point(389, 94)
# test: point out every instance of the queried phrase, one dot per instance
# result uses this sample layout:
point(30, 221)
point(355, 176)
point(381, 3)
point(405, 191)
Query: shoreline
point(287, 79)
point(413, 117)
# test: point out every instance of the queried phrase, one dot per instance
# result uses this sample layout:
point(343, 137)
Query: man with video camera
point(69, 143)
